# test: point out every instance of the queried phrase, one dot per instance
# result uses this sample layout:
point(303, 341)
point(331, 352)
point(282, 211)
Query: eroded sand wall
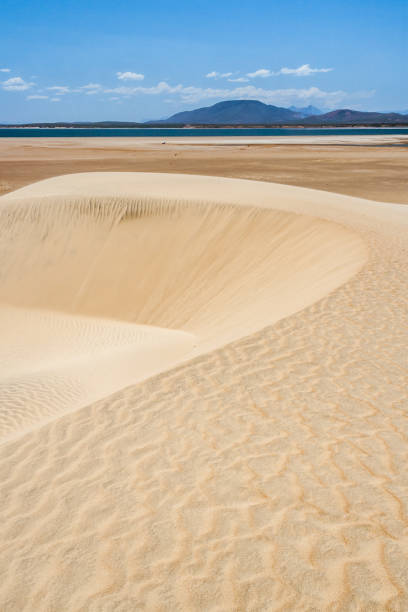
point(183, 265)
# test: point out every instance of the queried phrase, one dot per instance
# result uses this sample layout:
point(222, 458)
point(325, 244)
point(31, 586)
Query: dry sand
point(261, 465)
point(373, 172)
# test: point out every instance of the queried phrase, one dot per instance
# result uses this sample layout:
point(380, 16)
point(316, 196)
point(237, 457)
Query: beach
point(203, 398)
point(372, 171)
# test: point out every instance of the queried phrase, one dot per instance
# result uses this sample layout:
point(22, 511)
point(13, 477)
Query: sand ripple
point(185, 275)
point(269, 474)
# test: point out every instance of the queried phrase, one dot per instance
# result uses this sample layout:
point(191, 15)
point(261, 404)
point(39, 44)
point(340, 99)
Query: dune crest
point(143, 282)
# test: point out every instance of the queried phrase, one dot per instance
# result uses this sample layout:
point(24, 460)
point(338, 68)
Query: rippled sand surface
point(203, 397)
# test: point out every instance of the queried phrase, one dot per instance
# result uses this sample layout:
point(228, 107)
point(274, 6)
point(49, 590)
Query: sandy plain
point(203, 387)
point(371, 171)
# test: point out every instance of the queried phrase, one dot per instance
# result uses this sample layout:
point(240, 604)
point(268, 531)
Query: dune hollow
point(103, 286)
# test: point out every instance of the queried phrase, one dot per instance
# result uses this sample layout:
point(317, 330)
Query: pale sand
point(268, 474)
point(143, 248)
point(14, 144)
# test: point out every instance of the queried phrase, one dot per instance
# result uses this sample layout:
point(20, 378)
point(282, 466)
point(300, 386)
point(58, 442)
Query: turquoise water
point(186, 132)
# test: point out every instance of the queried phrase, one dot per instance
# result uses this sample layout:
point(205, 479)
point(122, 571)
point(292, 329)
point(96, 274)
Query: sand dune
point(198, 273)
point(268, 474)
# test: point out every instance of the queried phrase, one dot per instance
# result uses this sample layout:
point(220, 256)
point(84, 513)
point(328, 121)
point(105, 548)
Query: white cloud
point(130, 76)
point(16, 84)
point(60, 90)
point(239, 80)
point(362, 94)
point(280, 97)
point(262, 72)
point(191, 94)
point(161, 87)
point(218, 75)
point(5, 70)
point(91, 86)
point(304, 70)
point(89, 89)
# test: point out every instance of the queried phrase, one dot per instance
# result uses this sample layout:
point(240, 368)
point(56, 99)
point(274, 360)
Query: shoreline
point(227, 127)
point(351, 126)
point(301, 139)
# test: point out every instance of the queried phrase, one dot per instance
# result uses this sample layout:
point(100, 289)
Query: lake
point(186, 132)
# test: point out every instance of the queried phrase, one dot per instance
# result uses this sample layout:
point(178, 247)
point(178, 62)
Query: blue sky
point(132, 60)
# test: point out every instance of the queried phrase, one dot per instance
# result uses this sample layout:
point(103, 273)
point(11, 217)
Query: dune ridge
point(155, 261)
point(190, 273)
point(268, 474)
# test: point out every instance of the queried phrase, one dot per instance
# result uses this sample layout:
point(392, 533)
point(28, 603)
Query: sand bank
point(129, 142)
point(373, 172)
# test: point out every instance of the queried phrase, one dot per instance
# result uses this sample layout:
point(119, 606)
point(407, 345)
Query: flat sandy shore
point(203, 391)
point(367, 168)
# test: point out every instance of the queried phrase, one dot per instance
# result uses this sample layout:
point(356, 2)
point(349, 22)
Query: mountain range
point(253, 112)
point(246, 112)
point(348, 116)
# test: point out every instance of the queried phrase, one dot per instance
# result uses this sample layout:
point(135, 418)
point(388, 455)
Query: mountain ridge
point(242, 113)
point(347, 116)
point(250, 112)
point(234, 112)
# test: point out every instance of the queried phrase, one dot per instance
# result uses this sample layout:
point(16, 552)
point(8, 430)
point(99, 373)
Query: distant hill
point(253, 112)
point(306, 111)
point(235, 112)
point(244, 112)
point(348, 116)
point(75, 124)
